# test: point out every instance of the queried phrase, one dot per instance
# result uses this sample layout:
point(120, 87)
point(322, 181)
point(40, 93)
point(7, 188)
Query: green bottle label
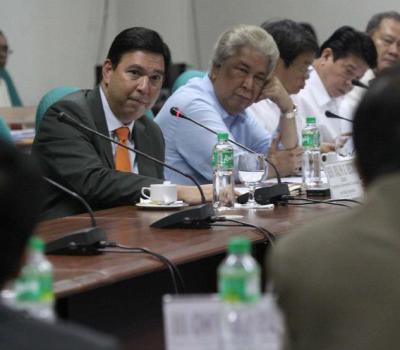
point(317, 140)
point(34, 287)
point(308, 140)
point(311, 139)
point(239, 288)
point(223, 160)
point(214, 160)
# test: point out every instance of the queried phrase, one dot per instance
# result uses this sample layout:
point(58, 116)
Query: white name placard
point(197, 322)
point(344, 181)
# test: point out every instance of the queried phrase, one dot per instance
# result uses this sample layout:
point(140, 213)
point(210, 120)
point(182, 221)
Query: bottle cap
point(223, 136)
point(239, 245)
point(310, 120)
point(36, 244)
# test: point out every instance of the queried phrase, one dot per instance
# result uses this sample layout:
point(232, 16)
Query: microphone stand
point(196, 216)
point(81, 242)
point(332, 115)
point(262, 195)
point(358, 83)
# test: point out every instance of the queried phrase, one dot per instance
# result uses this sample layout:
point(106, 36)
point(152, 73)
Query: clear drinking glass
point(251, 169)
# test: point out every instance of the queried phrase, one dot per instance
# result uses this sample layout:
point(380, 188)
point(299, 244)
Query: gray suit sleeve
point(78, 160)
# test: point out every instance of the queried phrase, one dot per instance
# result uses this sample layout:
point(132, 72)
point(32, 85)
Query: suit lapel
point(143, 142)
point(99, 118)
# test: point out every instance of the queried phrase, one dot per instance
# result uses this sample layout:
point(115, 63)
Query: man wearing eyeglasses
point(384, 30)
point(345, 56)
point(240, 74)
point(297, 50)
point(8, 93)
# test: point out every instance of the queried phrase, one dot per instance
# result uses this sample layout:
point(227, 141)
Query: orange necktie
point(122, 159)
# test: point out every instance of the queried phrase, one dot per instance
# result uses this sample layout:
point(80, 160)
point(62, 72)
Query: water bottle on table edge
point(34, 285)
point(239, 287)
point(223, 179)
point(311, 165)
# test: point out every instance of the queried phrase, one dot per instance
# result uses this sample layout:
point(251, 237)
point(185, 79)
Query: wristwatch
point(291, 114)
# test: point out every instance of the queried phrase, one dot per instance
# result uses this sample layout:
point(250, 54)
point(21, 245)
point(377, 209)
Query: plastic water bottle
point(239, 287)
point(34, 286)
point(223, 179)
point(311, 167)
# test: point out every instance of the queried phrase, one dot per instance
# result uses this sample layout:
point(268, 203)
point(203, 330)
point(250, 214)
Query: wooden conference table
point(120, 293)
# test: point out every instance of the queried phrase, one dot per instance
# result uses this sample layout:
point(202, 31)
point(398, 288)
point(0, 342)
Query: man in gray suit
point(133, 74)
point(338, 280)
point(20, 202)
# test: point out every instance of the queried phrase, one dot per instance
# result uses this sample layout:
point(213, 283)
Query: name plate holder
point(343, 178)
point(196, 322)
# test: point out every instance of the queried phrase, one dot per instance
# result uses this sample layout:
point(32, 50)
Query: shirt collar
point(319, 91)
point(113, 122)
point(226, 117)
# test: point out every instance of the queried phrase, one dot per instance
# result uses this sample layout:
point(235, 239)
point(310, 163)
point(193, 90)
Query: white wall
point(171, 18)
point(58, 42)
point(214, 16)
point(55, 43)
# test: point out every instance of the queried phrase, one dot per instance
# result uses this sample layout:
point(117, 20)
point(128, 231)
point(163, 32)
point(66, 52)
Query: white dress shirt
point(314, 101)
point(353, 98)
point(114, 123)
point(267, 114)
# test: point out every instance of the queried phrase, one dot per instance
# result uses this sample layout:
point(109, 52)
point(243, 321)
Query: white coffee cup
point(164, 193)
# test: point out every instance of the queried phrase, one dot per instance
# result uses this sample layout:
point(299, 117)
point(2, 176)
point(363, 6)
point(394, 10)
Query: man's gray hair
point(232, 40)
point(376, 20)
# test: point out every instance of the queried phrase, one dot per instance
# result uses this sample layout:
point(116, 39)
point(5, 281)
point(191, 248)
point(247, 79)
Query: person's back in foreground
point(20, 202)
point(337, 280)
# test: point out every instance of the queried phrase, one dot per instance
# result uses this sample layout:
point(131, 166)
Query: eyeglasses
point(5, 49)
point(244, 72)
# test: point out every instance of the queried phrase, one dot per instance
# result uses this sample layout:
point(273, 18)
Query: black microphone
point(81, 242)
point(329, 114)
point(262, 195)
point(198, 216)
point(358, 83)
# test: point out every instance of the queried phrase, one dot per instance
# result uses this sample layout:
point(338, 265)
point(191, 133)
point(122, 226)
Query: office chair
point(185, 77)
point(15, 100)
point(49, 99)
point(56, 94)
point(149, 114)
point(5, 133)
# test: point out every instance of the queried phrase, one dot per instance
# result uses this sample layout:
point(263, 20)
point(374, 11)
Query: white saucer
point(145, 203)
point(265, 206)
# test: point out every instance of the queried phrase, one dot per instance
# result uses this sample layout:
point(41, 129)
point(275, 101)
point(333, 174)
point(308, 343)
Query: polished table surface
point(131, 226)
point(90, 289)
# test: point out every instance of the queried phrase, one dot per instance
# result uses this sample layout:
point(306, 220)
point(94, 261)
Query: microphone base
point(267, 195)
point(197, 217)
point(80, 242)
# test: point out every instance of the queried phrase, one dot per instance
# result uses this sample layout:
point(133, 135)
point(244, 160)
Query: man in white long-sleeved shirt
point(297, 50)
point(345, 56)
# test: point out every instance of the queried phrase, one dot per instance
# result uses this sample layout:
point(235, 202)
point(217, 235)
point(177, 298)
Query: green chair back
point(149, 114)
point(185, 77)
point(57, 94)
point(5, 133)
point(49, 99)
point(15, 100)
